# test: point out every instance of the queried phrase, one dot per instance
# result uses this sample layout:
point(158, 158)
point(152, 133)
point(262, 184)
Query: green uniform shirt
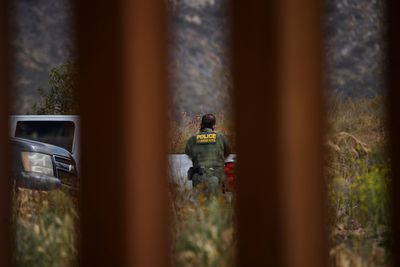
point(208, 149)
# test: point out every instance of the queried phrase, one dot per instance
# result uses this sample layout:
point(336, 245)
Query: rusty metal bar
point(122, 89)
point(393, 84)
point(99, 95)
point(5, 179)
point(145, 128)
point(255, 82)
point(301, 133)
point(278, 91)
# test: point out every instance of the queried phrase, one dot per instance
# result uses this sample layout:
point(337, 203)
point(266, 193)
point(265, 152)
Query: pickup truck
point(45, 151)
point(42, 166)
point(58, 130)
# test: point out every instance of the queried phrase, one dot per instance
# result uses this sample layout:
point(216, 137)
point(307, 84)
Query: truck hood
point(34, 146)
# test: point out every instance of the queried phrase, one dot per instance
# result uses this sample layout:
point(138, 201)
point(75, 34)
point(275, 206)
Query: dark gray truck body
point(64, 170)
point(54, 135)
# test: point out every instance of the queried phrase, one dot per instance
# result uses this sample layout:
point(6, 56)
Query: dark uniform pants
point(209, 183)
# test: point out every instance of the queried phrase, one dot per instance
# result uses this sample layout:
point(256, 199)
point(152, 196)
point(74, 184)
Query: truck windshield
point(58, 133)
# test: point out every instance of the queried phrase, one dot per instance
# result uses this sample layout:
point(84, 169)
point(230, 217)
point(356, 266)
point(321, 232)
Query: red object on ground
point(229, 170)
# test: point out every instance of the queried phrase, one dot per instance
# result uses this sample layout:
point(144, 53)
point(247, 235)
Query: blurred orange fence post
point(393, 83)
point(5, 179)
point(99, 96)
point(277, 72)
point(255, 83)
point(122, 93)
point(144, 31)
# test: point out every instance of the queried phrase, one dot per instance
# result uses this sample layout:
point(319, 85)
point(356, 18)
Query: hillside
point(199, 50)
point(199, 56)
point(355, 47)
point(41, 39)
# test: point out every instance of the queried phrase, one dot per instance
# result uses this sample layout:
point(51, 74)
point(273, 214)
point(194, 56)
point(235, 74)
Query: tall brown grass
point(358, 179)
point(203, 232)
point(46, 230)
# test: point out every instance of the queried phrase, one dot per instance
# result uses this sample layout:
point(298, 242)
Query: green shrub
point(358, 176)
point(363, 197)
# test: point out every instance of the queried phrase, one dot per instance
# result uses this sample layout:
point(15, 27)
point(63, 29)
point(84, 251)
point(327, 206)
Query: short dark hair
point(208, 121)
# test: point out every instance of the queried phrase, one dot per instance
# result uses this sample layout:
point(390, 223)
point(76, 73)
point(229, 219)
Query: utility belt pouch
point(194, 170)
point(190, 173)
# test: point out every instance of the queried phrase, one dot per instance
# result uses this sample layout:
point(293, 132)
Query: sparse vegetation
point(358, 182)
point(59, 99)
point(203, 232)
point(357, 174)
point(46, 231)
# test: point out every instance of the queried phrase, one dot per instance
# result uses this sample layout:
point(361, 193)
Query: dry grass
point(357, 170)
point(202, 232)
point(358, 180)
point(363, 118)
point(45, 229)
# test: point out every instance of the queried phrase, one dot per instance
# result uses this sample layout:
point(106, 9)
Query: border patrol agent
point(207, 150)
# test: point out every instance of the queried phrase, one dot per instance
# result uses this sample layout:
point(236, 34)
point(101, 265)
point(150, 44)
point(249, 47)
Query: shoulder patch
point(206, 138)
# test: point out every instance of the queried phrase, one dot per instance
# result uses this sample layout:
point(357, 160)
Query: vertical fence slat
point(277, 46)
point(5, 179)
point(122, 89)
point(145, 141)
point(255, 84)
point(99, 95)
point(301, 136)
point(393, 84)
